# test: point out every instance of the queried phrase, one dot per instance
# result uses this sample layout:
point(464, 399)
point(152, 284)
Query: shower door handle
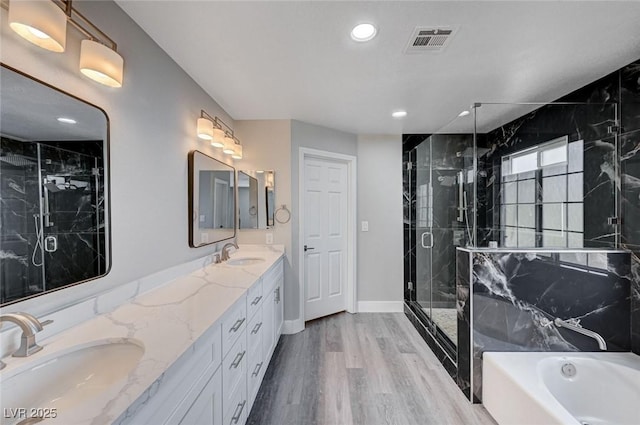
point(430, 240)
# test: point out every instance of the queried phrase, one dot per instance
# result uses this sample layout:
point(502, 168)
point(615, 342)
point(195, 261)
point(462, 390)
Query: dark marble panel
point(630, 97)
point(463, 307)
point(516, 297)
point(630, 192)
point(635, 303)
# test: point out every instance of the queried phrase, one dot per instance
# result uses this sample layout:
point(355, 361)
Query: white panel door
point(325, 237)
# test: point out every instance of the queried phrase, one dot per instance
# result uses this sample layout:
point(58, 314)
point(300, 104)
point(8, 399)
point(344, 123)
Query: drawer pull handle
point(256, 371)
point(238, 412)
point(237, 360)
point(236, 325)
point(256, 328)
point(256, 300)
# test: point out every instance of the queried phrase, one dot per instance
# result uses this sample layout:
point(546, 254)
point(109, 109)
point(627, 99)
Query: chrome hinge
point(613, 129)
point(409, 165)
point(410, 285)
point(613, 221)
point(95, 171)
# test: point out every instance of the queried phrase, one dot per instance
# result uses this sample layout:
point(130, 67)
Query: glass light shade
point(218, 138)
point(101, 64)
point(41, 22)
point(229, 144)
point(237, 152)
point(205, 129)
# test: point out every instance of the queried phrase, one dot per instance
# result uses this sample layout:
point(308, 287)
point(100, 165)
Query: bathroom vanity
point(192, 351)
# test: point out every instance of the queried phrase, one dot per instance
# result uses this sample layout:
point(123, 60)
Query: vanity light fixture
point(399, 114)
point(363, 32)
point(237, 151)
point(67, 120)
point(229, 144)
point(44, 23)
point(220, 134)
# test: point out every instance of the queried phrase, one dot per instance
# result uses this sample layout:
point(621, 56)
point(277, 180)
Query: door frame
point(350, 161)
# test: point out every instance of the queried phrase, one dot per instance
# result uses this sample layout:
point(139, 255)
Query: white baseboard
point(380, 306)
point(292, 326)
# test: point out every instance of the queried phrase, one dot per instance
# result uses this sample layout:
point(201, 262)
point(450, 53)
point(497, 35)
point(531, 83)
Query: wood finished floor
point(361, 369)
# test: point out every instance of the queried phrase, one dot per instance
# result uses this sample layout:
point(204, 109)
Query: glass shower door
point(424, 224)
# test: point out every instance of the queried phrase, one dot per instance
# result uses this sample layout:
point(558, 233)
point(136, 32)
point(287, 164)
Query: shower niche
point(54, 228)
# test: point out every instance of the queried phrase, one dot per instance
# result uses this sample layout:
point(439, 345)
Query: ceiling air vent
point(429, 39)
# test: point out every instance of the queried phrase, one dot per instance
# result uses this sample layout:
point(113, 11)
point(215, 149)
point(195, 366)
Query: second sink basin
point(245, 261)
point(66, 380)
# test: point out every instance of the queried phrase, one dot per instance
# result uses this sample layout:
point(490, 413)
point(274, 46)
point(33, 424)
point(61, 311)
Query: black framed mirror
point(54, 189)
point(256, 199)
point(211, 200)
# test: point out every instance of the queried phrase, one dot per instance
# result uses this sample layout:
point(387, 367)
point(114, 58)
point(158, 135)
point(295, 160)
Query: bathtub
point(562, 388)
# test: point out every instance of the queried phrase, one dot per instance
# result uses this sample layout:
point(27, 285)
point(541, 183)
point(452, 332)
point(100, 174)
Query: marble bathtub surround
point(166, 321)
point(514, 297)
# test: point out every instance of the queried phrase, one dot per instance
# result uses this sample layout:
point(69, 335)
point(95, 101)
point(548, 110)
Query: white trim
point(380, 306)
point(350, 161)
point(290, 327)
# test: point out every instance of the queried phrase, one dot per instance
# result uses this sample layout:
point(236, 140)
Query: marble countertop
point(167, 321)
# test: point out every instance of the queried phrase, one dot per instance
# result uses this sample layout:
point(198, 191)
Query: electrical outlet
point(269, 238)
point(365, 226)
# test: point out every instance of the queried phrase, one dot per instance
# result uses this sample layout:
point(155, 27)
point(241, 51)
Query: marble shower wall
point(516, 296)
point(77, 216)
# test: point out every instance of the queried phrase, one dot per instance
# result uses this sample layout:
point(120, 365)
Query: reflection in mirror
point(256, 199)
point(53, 189)
point(211, 200)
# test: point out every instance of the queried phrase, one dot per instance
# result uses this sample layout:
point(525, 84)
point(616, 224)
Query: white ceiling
point(295, 60)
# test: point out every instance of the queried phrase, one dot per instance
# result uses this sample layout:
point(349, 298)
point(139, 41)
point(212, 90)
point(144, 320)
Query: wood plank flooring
point(360, 369)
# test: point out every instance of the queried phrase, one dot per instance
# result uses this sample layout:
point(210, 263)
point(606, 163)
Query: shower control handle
point(51, 244)
point(430, 240)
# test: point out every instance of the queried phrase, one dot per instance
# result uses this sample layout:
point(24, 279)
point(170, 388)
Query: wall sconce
point(220, 134)
point(44, 23)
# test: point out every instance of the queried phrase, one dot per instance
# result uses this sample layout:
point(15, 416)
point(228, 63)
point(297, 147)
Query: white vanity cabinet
point(216, 381)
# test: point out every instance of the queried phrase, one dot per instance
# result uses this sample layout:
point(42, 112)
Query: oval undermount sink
point(246, 261)
point(66, 380)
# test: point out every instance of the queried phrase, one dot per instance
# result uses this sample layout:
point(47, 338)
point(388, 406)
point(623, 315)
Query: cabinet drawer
point(254, 332)
point(254, 299)
point(255, 372)
point(234, 368)
point(234, 323)
point(235, 412)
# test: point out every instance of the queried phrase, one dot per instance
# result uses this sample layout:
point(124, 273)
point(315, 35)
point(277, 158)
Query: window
point(541, 202)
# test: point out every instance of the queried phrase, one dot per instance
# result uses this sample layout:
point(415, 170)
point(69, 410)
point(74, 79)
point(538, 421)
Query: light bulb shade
point(41, 22)
point(218, 138)
point(205, 129)
point(101, 64)
point(229, 144)
point(237, 151)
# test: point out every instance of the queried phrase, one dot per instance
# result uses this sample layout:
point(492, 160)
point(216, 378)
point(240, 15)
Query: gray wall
point(380, 250)
point(152, 125)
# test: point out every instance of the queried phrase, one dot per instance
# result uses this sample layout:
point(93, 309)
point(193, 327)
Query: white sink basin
point(65, 380)
point(246, 261)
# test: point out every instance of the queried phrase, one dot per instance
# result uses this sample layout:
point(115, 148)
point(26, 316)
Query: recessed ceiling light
point(363, 32)
point(67, 120)
point(463, 114)
point(399, 114)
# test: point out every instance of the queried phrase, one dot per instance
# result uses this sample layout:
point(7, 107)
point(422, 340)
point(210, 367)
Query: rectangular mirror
point(211, 200)
point(256, 199)
point(54, 229)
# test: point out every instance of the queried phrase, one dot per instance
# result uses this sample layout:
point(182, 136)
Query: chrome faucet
point(30, 326)
point(224, 254)
point(579, 329)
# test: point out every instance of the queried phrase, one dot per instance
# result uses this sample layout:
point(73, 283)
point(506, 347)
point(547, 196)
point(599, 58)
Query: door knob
point(306, 248)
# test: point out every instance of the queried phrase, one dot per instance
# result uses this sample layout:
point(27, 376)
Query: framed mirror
point(54, 189)
point(211, 200)
point(256, 199)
